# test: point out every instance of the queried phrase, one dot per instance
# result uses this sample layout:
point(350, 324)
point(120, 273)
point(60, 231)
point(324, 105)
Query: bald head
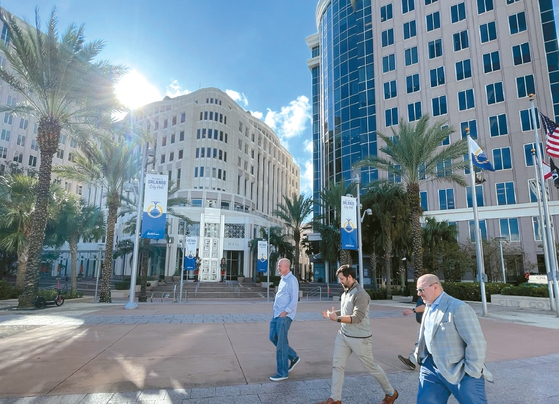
point(429, 288)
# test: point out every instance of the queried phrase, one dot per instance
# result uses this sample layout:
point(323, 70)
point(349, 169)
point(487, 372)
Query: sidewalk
point(218, 352)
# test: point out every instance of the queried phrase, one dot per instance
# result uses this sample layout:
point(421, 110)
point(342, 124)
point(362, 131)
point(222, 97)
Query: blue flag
point(479, 158)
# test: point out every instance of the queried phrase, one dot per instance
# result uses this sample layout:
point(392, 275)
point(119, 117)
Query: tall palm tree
point(294, 211)
point(415, 154)
point(328, 224)
point(107, 163)
point(389, 206)
point(77, 220)
point(61, 85)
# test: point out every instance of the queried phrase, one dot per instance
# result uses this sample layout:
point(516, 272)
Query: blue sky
point(254, 50)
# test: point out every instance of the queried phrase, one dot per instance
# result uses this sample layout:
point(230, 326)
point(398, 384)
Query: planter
point(241, 279)
point(265, 284)
point(526, 302)
point(153, 284)
point(176, 278)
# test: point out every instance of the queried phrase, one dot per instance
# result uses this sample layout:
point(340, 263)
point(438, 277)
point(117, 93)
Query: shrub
point(377, 294)
point(7, 291)
point(526, 289)
point(122, 285)
point(48, 294)
point(471, 290)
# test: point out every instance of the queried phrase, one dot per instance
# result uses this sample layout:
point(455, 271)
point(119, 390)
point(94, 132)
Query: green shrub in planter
point(526, 289)
point(377, 294)
point(48, 294)
point(7, 291)
point(122, 285)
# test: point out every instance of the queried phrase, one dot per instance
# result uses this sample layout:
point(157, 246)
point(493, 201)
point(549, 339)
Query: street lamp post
point(503, 270)
point(357, 180)
point(97, 272)
point(182, 246)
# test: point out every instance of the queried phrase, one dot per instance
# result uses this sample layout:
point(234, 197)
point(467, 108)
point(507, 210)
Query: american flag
point(552, 139)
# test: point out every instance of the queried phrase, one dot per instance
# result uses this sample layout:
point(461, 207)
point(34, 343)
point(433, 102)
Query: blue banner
point(349, 223)
point(154, 214)
point(190, 254)
point(262, 265)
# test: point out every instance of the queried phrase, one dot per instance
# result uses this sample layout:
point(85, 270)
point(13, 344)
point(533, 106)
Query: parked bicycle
point(41, 302)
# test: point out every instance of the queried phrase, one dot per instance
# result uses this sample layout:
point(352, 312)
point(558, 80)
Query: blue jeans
point(279, 327)
point(434, 389)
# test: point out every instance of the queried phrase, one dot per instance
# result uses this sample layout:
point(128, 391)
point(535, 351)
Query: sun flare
point(134, 91)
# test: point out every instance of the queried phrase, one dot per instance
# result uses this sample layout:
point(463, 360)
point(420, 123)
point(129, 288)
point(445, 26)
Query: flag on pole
point(349, 223)
point(552, 138)
point(479, 158)
point(546, 171)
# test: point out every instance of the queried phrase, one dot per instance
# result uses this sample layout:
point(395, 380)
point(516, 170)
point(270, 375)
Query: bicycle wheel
point(59, 301)
point(40, 302)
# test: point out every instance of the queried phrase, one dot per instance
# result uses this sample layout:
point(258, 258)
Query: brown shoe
point(330, 401)
point(390, 399)
point(407, 362)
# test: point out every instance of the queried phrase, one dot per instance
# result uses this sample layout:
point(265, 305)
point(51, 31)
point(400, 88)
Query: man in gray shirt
point(354, 336)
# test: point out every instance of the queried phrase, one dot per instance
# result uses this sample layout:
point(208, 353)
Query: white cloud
point(174, 90)
point(240, 98)
point(306, 177)
point(291, 121)
point(257, 115)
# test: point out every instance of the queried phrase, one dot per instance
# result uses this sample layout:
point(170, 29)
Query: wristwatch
point(339, 319)
point(413, 310)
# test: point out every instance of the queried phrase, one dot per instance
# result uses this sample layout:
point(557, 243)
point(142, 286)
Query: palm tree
point(294, 211)
point(78, 220)
point(389, 206)
point(435, 236)
point(328, 224)
point(415, 154)
point(108, 164)
point(60, 86)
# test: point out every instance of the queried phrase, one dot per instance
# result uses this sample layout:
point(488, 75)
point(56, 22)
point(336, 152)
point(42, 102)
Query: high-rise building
point(231, 171)
point(472, 62)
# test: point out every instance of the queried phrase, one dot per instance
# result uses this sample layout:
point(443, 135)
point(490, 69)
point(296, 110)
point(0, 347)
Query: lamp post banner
point(349, 223)
point(154, 214)
point(190, 254)
point(262, 265)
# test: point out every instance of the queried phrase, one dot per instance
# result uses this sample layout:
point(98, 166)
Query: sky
point(254, 50)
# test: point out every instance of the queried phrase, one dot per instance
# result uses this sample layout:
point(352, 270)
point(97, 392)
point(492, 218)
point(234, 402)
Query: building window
point(410, 30)
point(164, 141)
point(412, 83)
point(537, 229)
point(439, 105)
point(444, 169)
point(411, 56)
point(502, 159)
point(407, 6)
point(388, 63)
point(6, 134)
point(479, 196)
point(491, 62)
point(525, 86)
point(466, 99)
point(509, 229)
point(391, 115)
point(463, 69)
point(20, 140)
point(163, 157)
point(494, 93)
point(424, 200)
point(433, 21)
point(517, 23)
point(172, 138)
point(427, 2)
point(488, 32)
point(385, 13)
point(460, 40)
point(437, 76)
point(521, 54)
point(446, 199)
point(183, 117)
point(505, 193)
point(498, 125)
point(60, 154)
point(529, 159)
point(435, 48)
point(390, 90)
point(484, 6)
point(23, 123)
point(471, 126)
point(482, 230)
point(171, 156)
point(387, 37)
point(34, 145)
point(32, 161)
point(414, 111)
point(8, 118)
point(180, 154)
point(458, 12)
point(526, 120)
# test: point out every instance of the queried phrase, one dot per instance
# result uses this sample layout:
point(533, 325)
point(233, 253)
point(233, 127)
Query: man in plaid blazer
point(451, 348)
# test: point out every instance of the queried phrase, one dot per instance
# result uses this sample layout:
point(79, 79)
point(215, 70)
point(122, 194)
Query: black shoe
point(293, 363)
point(278, 378)
point(407, 362)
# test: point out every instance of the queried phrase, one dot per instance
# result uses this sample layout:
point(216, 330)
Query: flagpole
point(479, 248)
point(551, 247)
point(544, 238)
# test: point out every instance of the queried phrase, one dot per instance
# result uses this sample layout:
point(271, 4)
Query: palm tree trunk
point(73, 265)
point(415, 214)
point(22, 267)
point(38, 219)
point(388, 264)
point(373, 266)
point(105, 292)
point(144, 260)
point(345, 257)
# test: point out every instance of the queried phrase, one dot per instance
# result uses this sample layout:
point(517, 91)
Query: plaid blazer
point(457, 345)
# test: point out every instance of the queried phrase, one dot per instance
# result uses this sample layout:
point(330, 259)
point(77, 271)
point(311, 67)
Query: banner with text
point(154, 214)
point(349, 223)
point(262, 265)
point(190, 253)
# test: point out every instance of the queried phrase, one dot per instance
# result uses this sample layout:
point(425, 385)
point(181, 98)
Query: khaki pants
point(363, 348)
